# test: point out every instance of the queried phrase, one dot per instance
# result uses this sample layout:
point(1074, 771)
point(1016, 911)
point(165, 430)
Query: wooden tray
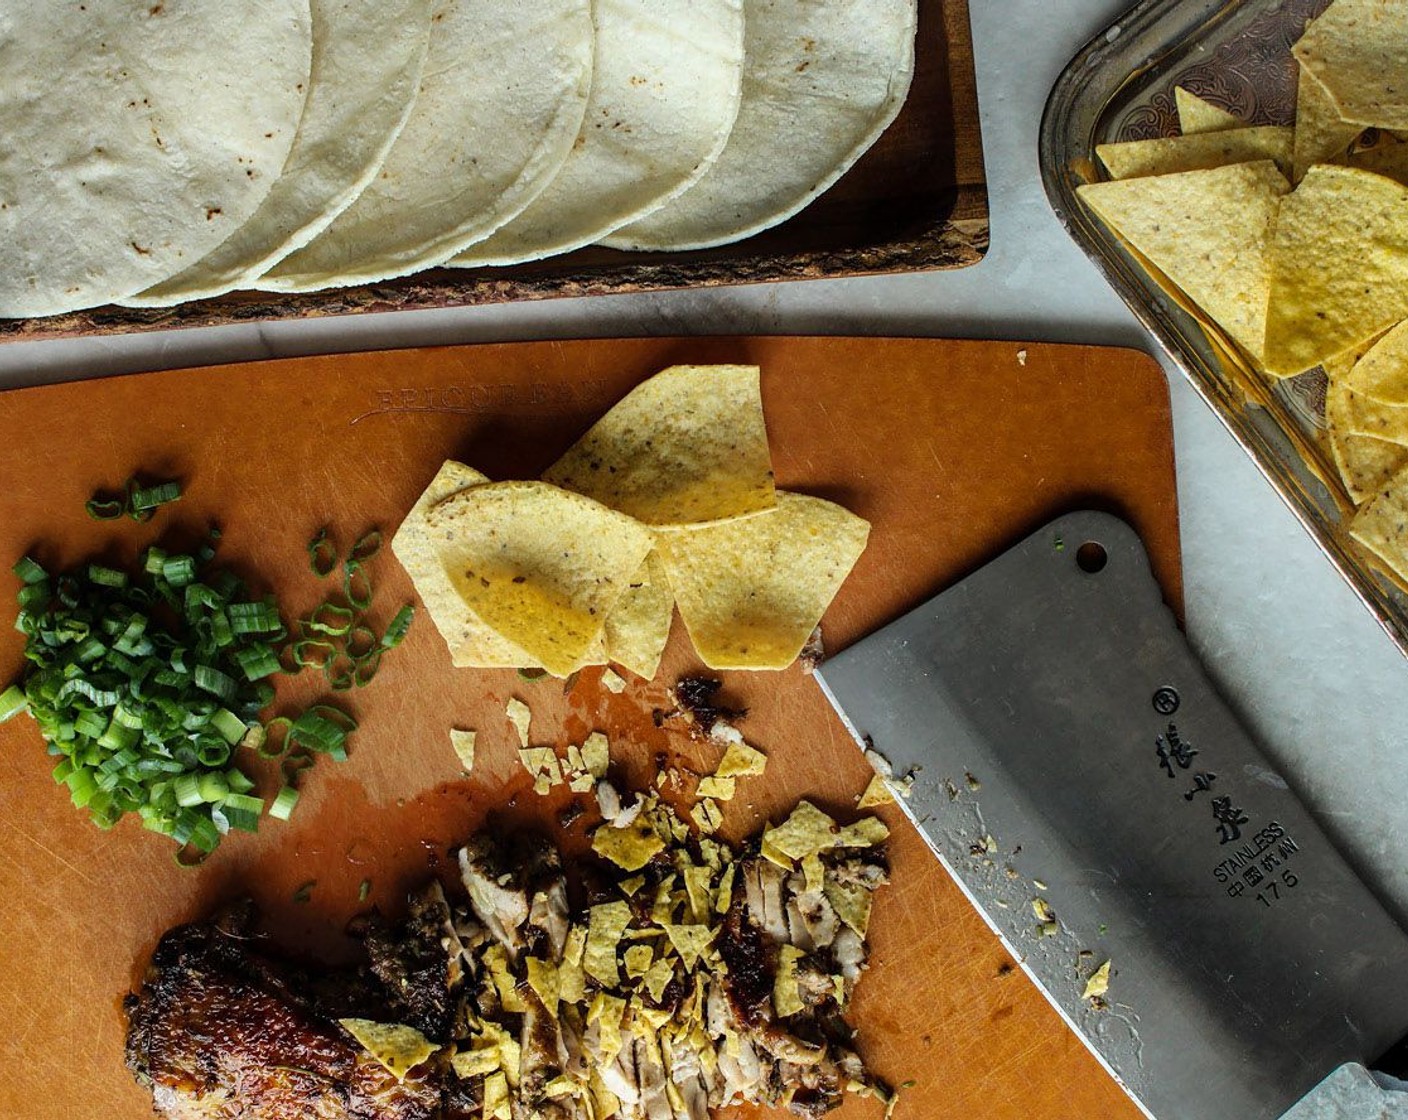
point(953, 450)
point(916, 201)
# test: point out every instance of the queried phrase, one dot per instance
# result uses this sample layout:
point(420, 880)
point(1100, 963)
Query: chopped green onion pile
point(147, 686)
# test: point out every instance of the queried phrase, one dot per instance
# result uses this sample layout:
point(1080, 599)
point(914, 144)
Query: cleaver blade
point(1247, 959)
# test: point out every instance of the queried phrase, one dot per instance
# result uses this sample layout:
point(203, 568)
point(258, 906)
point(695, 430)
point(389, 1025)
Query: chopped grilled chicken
point(502, 909)
point(534, 1011)
point(214, 1035)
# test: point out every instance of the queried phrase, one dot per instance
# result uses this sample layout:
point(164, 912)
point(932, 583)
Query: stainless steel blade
point(1110, 780)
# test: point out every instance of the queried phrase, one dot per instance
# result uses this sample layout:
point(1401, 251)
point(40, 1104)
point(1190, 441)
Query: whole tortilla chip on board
point(1382, 525)
point(1359, 50)
point(542, 566)
point(471, 641)
point(639, 626)
point(751, 591)
point(1197, 152)
point(1339, 266)
point(1321, 137)
point(1208, 231)
point(687, 446)
point(1196, 115)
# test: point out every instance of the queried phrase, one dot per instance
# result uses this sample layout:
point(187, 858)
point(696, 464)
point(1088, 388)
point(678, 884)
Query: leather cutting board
point(953, 450)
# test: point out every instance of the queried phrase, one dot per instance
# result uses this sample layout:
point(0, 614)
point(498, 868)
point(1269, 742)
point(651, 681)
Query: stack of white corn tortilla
point(160, 153)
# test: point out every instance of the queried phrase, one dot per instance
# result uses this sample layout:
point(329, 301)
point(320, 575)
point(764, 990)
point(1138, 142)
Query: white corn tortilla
point(368, 56)
point(822, 80)
point(119, 165)
point(666, 83)
point(499, 107)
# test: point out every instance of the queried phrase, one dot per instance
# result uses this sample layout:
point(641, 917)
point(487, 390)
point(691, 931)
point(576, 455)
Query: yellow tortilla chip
point(543, 766)
point(542, 566)
point(639, 625)
point(805, 832)
point(720, 789)
point(1196, 115)
point(786, 993)
point(865, 833)
point(611, 680)
point(1201, 151)
point(475, 1063)
point(637, 960)
point(1321, 137)
point(629, 848)
point(470, 640)
point(707, 816)
point(690, 941)
point(1359, 51)
point(543, 979)
point(1209, 232)
point(463, 744)
point(1339, 266)
point(741, 761)
point(751, 592)
point(1389, 158)
point(1098, 984)
point(606, 923)
point(724, 899)
point(876, 793)
point(596, 754)
point(688, 445)
point(1381, 374)
point(396, 1047)
point(1382, 525)
point(852, 903)
point(657, 979)
point(496, 1100)
point(521, 716)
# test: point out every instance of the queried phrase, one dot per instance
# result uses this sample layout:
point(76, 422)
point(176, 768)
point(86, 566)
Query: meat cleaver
point(1081, 780)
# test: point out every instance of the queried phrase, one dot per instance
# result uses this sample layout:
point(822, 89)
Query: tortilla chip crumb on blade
point(686, 446)
point(1208, 231)
point(1382, 525)
point(1201, 151)
point(639, 625)
point(1196, 115)
point(750, 592)
point(1321, 137)
point(1339, 266)
point(1359, 51)
point(472, 643)
point(542, 566)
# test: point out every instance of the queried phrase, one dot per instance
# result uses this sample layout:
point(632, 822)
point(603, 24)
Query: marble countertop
point(1291, 647)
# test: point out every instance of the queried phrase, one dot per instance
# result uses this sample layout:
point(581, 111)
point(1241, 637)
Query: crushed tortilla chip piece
point(463, 744)
point(629, 848)
point(852, 903)
point(396, 1047)
point(807, 831)
point(543, 765)
point(741, 761)
point(657, 979)
point(690, 941)
point(521, 717)
point(724, 898)
point(608, 921)
point(814, 872)
point(612, 681)
point(496, 1103)
point(707, 815)
point(543, 979)
point(637, 960)
point(786, 993)
point(596, 754)
point(720, 789)
point(876, 793)
point(496, 959)
point(865, 833)
point(773, 855)
point(1099, 983)
point(475, 1063)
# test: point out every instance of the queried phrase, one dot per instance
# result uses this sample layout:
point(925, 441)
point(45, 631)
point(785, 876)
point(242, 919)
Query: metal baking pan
point(1236, 54)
